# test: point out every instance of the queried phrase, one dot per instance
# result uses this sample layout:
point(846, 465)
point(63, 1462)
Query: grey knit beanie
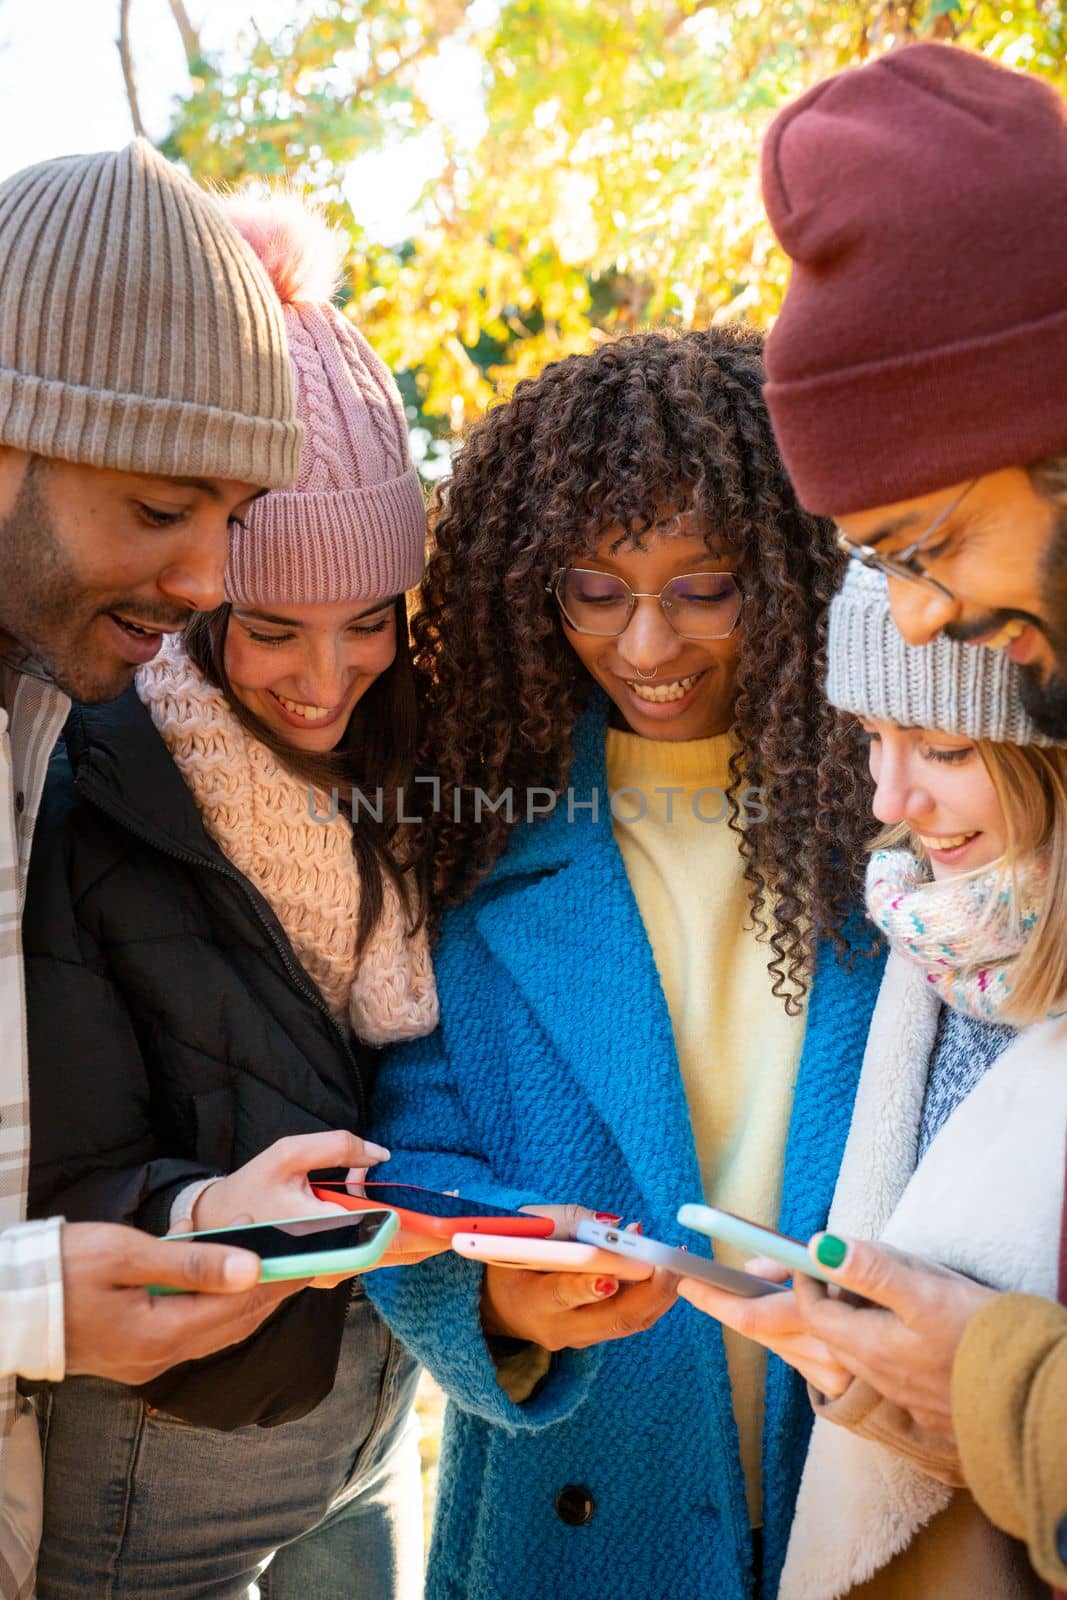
point(137, 330)
point(956, 688)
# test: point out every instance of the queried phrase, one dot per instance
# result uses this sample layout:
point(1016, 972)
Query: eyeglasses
point(698, 605)
point(905, 564)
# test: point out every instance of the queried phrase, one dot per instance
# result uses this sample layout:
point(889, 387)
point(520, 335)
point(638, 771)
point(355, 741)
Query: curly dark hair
point(646, 425)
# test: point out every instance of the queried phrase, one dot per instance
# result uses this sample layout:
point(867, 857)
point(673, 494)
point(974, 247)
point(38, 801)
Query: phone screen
point(409, 1197)
point(304, 1236)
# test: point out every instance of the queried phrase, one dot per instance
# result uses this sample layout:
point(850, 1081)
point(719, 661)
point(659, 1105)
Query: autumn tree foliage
point(614, 184)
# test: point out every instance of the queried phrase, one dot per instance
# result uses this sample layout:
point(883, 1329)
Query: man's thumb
point(197, 1268)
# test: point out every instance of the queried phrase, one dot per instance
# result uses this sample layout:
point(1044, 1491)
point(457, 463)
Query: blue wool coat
point(553, 1077)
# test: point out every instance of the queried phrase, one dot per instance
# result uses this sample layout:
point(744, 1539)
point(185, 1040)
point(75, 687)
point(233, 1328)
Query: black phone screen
point(307, 1236)
point(409, 1197)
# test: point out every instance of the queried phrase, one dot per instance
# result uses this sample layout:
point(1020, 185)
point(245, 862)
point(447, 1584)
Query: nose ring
point(641, 674)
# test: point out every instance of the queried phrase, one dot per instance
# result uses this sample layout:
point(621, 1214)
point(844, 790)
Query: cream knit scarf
point(258, 814)
point(964, 932)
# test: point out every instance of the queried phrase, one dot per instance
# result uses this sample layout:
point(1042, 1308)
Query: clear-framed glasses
point(905, 564)
point(698, 605)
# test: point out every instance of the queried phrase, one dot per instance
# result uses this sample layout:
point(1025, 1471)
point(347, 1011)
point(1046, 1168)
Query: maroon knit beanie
point(923, 338)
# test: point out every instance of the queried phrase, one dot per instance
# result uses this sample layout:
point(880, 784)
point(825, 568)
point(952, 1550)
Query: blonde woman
point(956, 1150)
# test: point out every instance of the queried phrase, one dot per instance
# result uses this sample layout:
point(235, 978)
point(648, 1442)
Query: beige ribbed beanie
point(137, 329)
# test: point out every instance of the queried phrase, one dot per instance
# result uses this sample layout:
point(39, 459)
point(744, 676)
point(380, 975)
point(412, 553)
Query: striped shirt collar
point(32, 714)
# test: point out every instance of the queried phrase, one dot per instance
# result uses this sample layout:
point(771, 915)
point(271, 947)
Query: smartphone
point(547, 1255)
point(635, 1247)
point(430, 1212)
point(304, 1247)
point(751, 1236)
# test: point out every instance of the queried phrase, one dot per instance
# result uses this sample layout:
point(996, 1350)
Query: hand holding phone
point(571, 1310)
point(113, 1329)
point(275, 1183)
point(304, 1247)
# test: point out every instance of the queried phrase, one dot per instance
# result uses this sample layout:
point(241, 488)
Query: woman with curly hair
point(648, 828)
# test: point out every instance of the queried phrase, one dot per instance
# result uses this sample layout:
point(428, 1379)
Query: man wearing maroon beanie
point(917, 380)
point(917, 374)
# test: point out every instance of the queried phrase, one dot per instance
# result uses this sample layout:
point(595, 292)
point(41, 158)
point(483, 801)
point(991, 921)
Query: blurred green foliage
point(616, 182)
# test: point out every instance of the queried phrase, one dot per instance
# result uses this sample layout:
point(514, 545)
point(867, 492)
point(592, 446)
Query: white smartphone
point(547, 1255)
point(635, 1247)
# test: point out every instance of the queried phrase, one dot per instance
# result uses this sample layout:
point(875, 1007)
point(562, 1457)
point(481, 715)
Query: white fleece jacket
point(986, 1200)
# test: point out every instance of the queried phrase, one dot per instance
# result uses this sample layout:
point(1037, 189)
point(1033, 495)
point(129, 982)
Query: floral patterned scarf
point(965, 932)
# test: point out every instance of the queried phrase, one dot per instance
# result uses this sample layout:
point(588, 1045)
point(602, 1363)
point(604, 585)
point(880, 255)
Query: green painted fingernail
point(830, 1251)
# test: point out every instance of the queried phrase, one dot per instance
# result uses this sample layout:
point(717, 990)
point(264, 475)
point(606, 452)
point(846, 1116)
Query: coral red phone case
point(437, 1219)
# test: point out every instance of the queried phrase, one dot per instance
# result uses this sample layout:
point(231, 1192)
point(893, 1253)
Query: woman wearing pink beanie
point(222, 927)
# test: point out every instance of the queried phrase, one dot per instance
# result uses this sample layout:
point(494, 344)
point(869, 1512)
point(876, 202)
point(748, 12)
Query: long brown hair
point(644, 424)
point(376, 752)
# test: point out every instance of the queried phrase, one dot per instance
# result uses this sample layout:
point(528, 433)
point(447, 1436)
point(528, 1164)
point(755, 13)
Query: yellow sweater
point(737, 1049)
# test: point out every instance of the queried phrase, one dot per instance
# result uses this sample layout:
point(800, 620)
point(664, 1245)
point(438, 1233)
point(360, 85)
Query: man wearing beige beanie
point(145, 400)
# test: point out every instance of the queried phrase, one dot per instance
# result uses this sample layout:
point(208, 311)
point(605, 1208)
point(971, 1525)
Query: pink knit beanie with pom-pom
point(354, 525)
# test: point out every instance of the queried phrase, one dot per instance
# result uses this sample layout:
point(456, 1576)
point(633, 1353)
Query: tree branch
point(190, 36)
point(433, 37)
point(128, 76)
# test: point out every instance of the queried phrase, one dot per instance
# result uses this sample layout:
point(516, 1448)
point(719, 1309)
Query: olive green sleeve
point(1009, 1403)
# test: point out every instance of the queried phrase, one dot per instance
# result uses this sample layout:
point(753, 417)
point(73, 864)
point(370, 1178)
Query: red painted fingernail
point(605, 1286)
point(606, 1216)
point(638, 1227)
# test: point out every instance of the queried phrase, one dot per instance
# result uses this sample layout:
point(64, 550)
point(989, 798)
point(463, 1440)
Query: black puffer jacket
point(173, 1034)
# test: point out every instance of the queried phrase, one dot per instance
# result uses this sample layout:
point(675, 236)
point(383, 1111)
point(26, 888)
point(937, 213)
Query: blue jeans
point(141, 1506)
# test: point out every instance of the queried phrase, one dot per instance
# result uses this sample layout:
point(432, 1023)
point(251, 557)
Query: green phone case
point(744, 1235)
point(283, 1269)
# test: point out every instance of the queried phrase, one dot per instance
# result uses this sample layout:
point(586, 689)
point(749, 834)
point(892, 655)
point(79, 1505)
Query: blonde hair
point(1031, 787)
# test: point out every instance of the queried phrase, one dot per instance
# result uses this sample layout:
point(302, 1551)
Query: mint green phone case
point(319, 1264)
point(747, 1235)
